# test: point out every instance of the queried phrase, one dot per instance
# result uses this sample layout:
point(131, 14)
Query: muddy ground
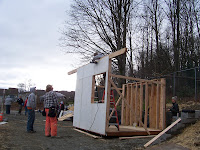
point(13, 136)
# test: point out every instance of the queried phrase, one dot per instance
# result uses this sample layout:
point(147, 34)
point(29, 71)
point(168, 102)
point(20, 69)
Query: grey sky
point(29, 44)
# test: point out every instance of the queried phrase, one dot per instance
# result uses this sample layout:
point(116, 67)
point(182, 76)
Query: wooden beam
point(93, 89)
point(91, 135)
point(117, 53)
point(108, 95)
point(136, 137)
point(136, 102)
point(72, 72)
point(141, 101)
point(161, 133)
point(113, 84)
point(157, 106)
point(122, 112)
point(162, 105)
point(136, 79)
point(146, 104)
point(127, 108)
point(131, 103)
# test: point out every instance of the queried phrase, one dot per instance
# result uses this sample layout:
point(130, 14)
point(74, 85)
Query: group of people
point(51, 106)
point(9, 100)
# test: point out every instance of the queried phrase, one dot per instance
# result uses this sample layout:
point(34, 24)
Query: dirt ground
point(13, 136)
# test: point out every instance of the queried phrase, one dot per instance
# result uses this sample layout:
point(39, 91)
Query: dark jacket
point(20, 101)
point(174, 109)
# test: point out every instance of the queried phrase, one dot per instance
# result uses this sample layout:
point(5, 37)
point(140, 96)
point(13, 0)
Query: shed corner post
point(108, 95)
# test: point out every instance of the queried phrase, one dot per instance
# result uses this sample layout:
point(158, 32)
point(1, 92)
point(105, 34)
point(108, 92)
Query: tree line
point(162, 36)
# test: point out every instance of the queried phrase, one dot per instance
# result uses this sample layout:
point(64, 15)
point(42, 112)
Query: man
point(96, 57)
point(175, 108)
point(31, 106)
point(20, 102)
point(8, 102)
point(50, 104)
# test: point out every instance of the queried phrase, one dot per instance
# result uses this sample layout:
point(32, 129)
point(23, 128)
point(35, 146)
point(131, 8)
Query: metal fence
point(185, 84)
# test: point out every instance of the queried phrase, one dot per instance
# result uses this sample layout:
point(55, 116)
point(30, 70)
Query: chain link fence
point(184, 84)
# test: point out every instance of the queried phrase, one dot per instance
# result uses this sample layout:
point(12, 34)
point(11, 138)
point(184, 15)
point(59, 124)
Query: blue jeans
point(26, 110)
point(31, 119)
point(8, 109)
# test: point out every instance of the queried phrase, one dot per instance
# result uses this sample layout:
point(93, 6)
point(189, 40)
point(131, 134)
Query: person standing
point(20, 102)
point(8, 102)
point(62, 107)
point(50, 103)
point(31, 106)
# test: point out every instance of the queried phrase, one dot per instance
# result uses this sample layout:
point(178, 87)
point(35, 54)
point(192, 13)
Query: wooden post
point(157, 106)
point(136, 103)
point(108, 95)
point(131, 104)
point(93, 90)
point(128, 109)
point(123, 110)
point(152, 110)
point(146, 104)
point(141, 101)
point(162, 104)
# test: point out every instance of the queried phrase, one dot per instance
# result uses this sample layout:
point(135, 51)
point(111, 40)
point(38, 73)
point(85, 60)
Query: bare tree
point(21, 87)
point(98, 25)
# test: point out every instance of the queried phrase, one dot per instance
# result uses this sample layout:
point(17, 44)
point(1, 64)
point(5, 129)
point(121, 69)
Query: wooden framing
point(142, 102)
point(149, 95)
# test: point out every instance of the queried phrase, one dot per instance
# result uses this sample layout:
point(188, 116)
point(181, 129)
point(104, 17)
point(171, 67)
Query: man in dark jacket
point(20, 102)
point(175, 108)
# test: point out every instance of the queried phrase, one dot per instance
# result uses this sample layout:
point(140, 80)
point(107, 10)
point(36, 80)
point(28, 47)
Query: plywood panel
point(87, 115)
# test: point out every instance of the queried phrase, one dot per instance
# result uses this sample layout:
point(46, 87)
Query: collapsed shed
point(98, 100)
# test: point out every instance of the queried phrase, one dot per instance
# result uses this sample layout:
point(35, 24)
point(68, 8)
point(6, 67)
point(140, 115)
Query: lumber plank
point(108, 94)
point(131, 103)
point(93, 88)
point(123, 111)
point(136, 137)
point(91, 135)
point(65, 117)
point(146, 103)
point(162, 104)
point(127, 109)
point(141, 101)
point(157, 106)
point(72, 72)
point(136, 101)
point(161, 133)
point(117, 53)
point(136, 79)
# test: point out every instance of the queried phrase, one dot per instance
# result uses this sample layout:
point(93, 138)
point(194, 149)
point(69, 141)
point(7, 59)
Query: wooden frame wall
point(147, 99)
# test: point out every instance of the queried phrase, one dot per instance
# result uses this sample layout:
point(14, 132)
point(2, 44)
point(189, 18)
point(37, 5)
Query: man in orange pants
point(50, 125)
point(50, 105)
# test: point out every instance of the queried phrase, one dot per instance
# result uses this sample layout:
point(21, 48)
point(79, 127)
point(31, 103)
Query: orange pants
point(51, 125)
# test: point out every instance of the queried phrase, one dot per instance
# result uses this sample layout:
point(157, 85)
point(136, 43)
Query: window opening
point(98, 88)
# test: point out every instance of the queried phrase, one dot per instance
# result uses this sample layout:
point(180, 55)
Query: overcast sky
point(29, 38)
